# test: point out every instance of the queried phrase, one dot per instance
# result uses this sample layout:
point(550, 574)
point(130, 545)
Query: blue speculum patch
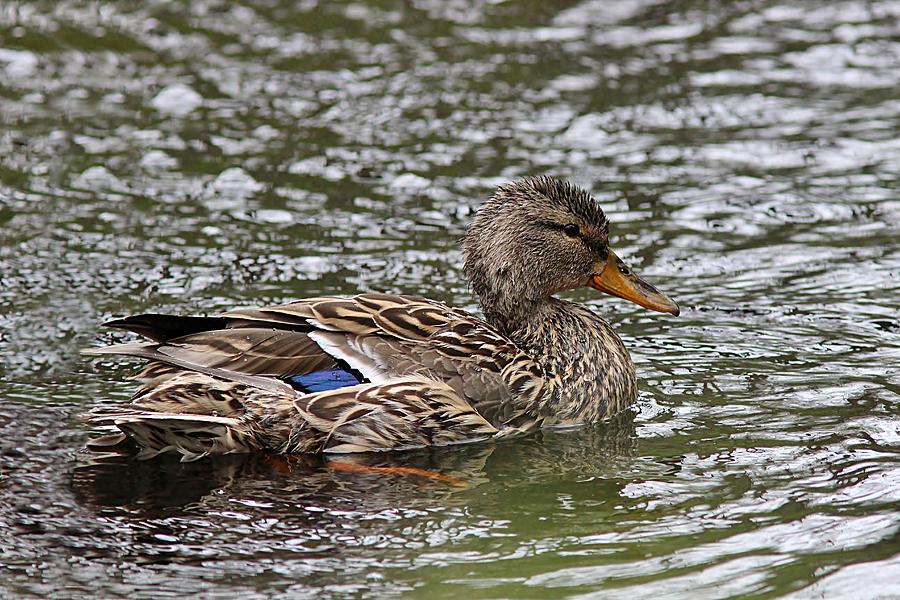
point(322, 381)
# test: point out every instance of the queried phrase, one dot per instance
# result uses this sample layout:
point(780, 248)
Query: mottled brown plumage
point(429, 374)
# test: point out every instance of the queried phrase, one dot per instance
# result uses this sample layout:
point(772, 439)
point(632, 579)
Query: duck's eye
point(570, 230)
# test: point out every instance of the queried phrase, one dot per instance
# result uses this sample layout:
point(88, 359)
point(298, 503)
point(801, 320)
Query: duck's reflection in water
point(368, 482)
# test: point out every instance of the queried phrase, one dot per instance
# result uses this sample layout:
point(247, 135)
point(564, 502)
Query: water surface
point(193, 157)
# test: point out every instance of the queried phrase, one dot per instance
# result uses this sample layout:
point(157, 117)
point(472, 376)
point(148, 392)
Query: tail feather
point(196, 415)
point(115, 442)
point(161, 328)
point(192, 436)
point(151, 351)
point(137, 349)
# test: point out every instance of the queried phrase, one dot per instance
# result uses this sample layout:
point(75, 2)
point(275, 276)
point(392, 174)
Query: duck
point(384, 372)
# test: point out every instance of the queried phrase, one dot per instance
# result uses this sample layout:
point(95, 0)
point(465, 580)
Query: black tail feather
point(162, 328)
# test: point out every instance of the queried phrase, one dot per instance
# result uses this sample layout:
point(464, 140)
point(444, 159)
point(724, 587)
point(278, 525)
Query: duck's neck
point(595, 374)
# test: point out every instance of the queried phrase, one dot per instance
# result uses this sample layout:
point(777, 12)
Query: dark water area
point(193, 157)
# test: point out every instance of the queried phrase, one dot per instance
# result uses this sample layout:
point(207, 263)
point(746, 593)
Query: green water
point(192, 157)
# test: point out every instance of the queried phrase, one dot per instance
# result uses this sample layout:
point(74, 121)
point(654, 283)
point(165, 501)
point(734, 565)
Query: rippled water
point(198, 156)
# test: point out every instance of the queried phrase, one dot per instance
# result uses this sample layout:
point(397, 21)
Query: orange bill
point(617, 279)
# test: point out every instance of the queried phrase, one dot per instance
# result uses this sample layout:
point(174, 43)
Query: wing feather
point(401, 414)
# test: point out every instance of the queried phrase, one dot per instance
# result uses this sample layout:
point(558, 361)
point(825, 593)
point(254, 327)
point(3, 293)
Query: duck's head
point(540, 236)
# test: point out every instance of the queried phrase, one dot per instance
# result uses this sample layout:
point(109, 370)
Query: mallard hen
point(387, 372)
